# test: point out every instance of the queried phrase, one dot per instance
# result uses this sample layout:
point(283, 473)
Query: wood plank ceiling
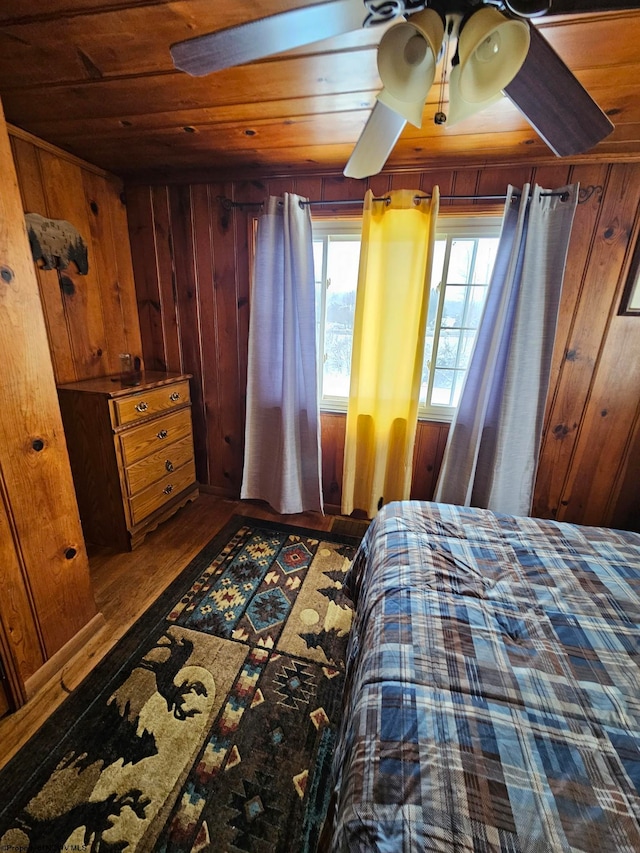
point(95, 77)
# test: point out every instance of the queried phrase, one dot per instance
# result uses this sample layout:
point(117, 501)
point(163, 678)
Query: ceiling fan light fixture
point(459, 109)
point(492, 49)
point(528, 8)
point(410, 111)
point(407, 57)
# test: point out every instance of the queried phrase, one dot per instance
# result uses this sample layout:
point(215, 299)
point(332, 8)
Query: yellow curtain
point(388, 348)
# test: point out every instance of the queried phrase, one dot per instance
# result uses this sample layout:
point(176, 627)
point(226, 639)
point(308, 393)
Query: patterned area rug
point(210, 726)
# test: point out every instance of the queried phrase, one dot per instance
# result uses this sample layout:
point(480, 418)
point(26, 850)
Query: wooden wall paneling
point(608, 425)
point(111, 235)
point(6, 699)
point(431, 438)
point(333, 426)
point(465, 182)
point(103, 257)
point(595, 257)
point(496, 181)
point(278, 186)
point(33, 453)
point(379, 185)
point(83, 307)
point(553, 177)
point(442, 179)
point(341, 189)
point(309, 187)
point(225, 370)
point(623, 510)
point(603, 484)
point(140, 219)
point(20, 640)
point(86, 330)
point(204, 270)
point(566, 398)
point(429, 448)
point(405, 181)
point(608, 244)
point(115, 198)
point(27, 164)
point(585, 222)
point(244, 232)
point(187, 296)
point(167, 285)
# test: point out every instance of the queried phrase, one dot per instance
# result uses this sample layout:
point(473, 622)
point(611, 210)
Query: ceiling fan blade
point(376, 142)
point(264, 37)
point(555, 103)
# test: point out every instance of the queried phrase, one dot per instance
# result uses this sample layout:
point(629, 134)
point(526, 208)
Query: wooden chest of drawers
point(131, 452)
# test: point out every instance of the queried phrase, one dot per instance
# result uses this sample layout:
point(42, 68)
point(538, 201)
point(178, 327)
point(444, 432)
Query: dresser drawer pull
point(169, 465)
point(141, 406)
point(174, 397)
point(162, 434)
point(168, 489)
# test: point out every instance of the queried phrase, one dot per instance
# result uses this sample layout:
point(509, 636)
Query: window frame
point(451, 225)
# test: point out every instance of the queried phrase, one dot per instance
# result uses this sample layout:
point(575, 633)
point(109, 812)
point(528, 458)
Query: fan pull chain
point(441, 117)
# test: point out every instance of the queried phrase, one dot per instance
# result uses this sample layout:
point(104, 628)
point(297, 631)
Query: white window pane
point(467, 338)
point(485, 258)
point(453, 309)
point(439, 250)
point(448, 348)
point(442, 387)
point(461, 271)
point(477, 296)
point(318, 251)
point(317, 266)
point(342, 273)
point(460, 261)
point(428, 354)
point(436, 284)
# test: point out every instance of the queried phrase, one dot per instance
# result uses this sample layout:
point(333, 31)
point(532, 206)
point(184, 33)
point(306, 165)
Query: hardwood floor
point(125, 584)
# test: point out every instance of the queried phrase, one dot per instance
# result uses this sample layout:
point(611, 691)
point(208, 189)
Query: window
point(465, 251)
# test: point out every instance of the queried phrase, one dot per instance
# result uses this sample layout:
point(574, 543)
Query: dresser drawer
point(164, 461)
point(140, 441)
point(153, 401)
point(153, 497)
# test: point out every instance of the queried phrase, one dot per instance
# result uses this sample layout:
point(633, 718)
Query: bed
point(493, 687)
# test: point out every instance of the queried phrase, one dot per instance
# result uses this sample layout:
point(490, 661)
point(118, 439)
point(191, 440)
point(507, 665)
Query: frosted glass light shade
point(459, 109)
point(492, 49)
point(407, 58)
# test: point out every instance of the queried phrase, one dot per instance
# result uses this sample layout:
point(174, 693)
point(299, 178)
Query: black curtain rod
point(563, 195)
point(416, 198)
point(228, 204)
point(583, 195)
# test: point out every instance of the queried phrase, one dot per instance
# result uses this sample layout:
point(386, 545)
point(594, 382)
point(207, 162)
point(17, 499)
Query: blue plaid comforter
point(493, 698)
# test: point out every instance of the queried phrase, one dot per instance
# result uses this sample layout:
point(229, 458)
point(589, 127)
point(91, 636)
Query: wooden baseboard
point(219, 492)
point(332, 509)
point(55, 663)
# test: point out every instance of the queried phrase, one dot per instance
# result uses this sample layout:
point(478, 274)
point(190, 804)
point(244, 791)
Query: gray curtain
point(282, 433)
point(492, 450)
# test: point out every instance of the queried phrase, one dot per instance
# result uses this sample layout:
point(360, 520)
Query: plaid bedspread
point(493, 699)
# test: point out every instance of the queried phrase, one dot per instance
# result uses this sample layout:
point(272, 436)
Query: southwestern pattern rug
point(211, 725)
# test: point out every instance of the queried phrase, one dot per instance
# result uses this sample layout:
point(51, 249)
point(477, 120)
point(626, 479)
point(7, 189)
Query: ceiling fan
point(497, 52)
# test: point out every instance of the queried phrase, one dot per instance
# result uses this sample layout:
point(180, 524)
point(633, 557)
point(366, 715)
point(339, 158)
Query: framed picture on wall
point(630, 303)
